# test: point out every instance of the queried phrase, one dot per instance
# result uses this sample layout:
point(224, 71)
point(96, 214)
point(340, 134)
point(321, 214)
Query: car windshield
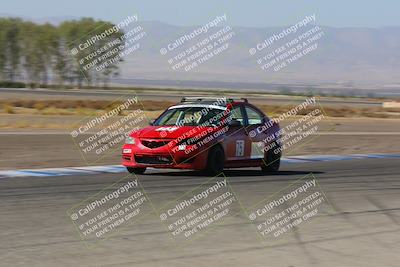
point(189, 116)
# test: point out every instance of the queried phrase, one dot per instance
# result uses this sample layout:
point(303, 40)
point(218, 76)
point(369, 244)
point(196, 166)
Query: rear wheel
point(272, 160)
point(136, 170)
point(215, 161)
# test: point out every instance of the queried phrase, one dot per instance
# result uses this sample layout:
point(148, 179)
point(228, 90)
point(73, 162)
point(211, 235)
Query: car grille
point(154, 143)
point(149, 159)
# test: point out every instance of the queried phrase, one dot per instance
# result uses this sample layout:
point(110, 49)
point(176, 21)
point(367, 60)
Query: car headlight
point(130, 140)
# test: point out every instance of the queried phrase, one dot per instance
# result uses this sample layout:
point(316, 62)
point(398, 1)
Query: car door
point(254, 120)
point(237, 142)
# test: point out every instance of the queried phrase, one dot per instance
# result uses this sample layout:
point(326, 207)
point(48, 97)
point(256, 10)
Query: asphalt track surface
point(361, 228)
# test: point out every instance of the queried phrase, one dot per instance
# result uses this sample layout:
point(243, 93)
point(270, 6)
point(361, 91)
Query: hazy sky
point(259, 13)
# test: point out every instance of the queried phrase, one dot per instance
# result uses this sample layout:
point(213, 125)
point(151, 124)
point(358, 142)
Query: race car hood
point(167, 132)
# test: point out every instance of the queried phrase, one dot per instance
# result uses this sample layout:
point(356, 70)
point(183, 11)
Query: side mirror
point(235, 123)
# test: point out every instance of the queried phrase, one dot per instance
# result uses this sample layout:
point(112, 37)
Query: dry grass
point(80, 107)
point(61, 104)
point(9, 109)
point(377, 112)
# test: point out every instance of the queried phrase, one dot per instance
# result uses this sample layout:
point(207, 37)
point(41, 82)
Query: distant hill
point(345, 57)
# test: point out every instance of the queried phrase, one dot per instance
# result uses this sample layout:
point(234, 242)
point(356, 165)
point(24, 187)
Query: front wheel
point(136, 170)
point(272, 160)
point(215, 161)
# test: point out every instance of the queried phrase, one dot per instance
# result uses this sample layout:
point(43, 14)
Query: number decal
point(239, 148)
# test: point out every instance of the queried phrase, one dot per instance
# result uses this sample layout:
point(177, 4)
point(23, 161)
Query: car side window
point(236, 114)
point(253, 116)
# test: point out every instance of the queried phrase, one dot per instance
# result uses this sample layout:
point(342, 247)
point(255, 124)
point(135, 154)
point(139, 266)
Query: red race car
point(207, 134)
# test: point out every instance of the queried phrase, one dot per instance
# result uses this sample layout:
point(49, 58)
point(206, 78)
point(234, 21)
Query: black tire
point(136, 170)
point(215, 161)
point(272, 161)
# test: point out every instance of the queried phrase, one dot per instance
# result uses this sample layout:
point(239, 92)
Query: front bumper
point(139, 156)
